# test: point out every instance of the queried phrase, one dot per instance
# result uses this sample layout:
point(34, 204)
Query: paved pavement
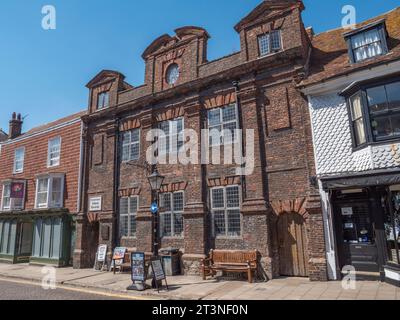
point(194, 288)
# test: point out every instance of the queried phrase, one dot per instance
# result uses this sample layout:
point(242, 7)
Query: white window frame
point(172, 212)
point(131, 215)
point(226, 209)
point(129, 145)
point(12, 203)
point(223, 123)
point(50, 180)
point(169, 136)
point(21, 170)
point(50, 157)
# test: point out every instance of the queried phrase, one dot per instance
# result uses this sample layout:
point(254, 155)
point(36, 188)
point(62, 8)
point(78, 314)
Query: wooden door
point(293, 250)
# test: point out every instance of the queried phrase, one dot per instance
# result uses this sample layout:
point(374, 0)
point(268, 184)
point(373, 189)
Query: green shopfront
point(36, 237)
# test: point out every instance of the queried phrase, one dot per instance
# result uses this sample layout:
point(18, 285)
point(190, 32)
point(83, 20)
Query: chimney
point(15, 128)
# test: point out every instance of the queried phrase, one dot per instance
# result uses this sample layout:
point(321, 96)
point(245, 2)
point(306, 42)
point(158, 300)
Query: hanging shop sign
point(17, 190)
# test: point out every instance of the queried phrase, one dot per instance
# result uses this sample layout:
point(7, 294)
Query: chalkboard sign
point(158, 270)
point(102, 253)
point(138, 266)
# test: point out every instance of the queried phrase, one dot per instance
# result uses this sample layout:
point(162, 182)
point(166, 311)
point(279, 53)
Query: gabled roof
point(330, 57)
point(267, 5)
point(103, 75)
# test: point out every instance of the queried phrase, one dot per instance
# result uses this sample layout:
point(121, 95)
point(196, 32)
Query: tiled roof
point(54, 123)
point(330, 53)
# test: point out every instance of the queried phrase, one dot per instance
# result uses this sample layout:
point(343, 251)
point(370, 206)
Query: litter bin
point(171, 262)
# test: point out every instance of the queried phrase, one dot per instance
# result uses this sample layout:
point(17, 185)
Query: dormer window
point(103, 100)
point(367, 43)
point(269, 42)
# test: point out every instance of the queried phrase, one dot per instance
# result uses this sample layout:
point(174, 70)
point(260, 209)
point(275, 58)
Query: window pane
point(381, 127)
point(132, 226)
point(166, 201)
point(135, 135)
point(123, 206)
point(219, 223)
point(232, 197)
point(229, 113)
point(178, 201)
point(230, 132)
point(377, 99)
point(263, 43)
point(359, 132)
point(214, 117)
point(234, 223)
point(19, 160)
point(6, 196)
point(166, 225)
point(178, 224)
point(393, 93)
point(276, 40)
point(356, 107)
point(134, 151)
point(123, 226)
point(218, 198)
point(54, 151)
point(396, 124)
point(215, 135)
point(56, 196)
point(133, 205)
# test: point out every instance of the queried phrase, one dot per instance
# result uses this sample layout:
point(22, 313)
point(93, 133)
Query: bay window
point(172, 206)
point(13, 196)
point(375, 113)
point(50, 192)
point(225, 207)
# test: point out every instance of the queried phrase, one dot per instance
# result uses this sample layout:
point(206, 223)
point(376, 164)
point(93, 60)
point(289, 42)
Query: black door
point(356, 236)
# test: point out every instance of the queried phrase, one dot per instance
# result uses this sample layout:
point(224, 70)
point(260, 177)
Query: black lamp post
point(155, 180)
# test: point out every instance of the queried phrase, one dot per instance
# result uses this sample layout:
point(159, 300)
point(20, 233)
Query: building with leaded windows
point(274, 209)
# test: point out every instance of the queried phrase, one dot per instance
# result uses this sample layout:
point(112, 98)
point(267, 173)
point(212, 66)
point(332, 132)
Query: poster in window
point(348, 211)
point(17, 190)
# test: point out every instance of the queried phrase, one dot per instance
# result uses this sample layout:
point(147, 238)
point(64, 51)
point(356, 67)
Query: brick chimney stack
point(15, 128)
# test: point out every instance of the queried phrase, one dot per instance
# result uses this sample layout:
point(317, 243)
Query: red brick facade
point(264, 90)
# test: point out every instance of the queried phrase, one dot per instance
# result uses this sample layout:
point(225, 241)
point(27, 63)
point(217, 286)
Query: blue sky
point(43, 73)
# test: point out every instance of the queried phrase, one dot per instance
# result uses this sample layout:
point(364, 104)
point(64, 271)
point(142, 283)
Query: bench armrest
point(206, 261)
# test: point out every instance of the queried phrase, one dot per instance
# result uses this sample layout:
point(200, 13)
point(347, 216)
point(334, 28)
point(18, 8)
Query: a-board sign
point(102, 253)
point(158, 270)
point(119, 255)
point(138, 270)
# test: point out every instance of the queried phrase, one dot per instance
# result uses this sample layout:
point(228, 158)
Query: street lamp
point(155, 180)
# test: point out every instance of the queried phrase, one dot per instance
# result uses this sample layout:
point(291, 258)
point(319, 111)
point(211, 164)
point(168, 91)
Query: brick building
point(39, 182)
point(355, 111)
point(275, 209)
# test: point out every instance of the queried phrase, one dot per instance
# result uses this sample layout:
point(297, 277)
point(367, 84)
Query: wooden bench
point(230, 261)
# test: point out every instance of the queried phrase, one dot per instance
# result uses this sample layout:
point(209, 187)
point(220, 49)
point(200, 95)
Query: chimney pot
point(15, 128)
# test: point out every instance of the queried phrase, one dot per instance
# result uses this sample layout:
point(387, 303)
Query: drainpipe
point(117, 167)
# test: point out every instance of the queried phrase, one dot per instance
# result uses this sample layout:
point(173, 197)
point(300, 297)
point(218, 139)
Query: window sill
point(228, 238)
point(173, 238)
point(376, 143)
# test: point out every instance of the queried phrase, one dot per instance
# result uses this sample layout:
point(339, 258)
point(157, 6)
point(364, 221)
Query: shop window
point(128, 209)
point(48, 238)
point(222, 125)
point(225, 204)
point(19, 157)
point(172, 140)
point(103, 100)
point(269, 43)
point(392, 226)
point(13, 196)
point(50, 192)
point(131, 145)
point(8, 229)
point(375, 113)
point(54, 152)
point(172, 206)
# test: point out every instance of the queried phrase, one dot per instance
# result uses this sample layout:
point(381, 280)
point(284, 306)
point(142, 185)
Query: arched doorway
point(292, 242)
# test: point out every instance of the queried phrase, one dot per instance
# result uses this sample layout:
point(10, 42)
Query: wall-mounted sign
point(17, 190)
point(95, 204)
point(138, 266)
point(102, 253)
point(348, 211)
